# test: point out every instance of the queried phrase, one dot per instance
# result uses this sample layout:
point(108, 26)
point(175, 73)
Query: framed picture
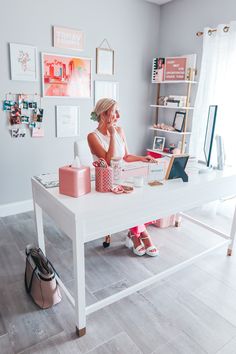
point(108, 89)
point(68, 38)
point(176, 168)
point(178, 123)
point(23, 62)
point(67, 121)
point(104, 61)
point(158, 143)
point(66, 76)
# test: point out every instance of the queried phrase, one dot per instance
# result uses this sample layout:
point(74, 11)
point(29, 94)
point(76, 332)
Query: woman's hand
point(148, 158)
point(111, 127)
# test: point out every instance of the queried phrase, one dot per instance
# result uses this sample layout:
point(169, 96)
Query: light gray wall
point(130, 26)
point(179, 22)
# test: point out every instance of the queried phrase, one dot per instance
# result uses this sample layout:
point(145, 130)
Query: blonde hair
point(102, 105)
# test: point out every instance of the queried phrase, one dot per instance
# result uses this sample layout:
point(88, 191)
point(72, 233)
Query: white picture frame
point(158, 143)
point(106, 89)
point(67, 121)
point(23, 60)
point(104, 61)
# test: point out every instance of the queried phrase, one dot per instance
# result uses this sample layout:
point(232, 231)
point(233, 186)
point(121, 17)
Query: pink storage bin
point(165, 222)
point(103, 179)
point(74, 181)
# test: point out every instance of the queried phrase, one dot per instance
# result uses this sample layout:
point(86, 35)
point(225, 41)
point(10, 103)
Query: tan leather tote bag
point(40, 278)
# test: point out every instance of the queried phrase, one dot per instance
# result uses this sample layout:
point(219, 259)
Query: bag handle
point(28, 288)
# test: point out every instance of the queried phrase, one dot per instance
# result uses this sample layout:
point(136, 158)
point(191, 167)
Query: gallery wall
point(132, 29)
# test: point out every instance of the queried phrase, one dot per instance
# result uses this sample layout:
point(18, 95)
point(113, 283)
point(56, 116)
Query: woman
point(107, 141)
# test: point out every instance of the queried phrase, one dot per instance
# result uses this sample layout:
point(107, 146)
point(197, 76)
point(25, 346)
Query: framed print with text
point(67, 121)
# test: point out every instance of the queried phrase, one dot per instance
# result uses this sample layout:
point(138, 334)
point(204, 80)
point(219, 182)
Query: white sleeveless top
point(105, 142)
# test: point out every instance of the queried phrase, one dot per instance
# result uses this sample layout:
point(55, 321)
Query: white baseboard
point(16, 208)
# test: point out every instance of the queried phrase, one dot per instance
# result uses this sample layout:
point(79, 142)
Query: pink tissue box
point(165, 222)
point(74, 181)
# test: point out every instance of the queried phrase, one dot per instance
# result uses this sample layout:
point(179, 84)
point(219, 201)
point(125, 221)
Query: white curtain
point(216, 86)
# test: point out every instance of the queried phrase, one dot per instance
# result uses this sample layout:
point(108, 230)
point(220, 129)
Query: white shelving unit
point(186, 108)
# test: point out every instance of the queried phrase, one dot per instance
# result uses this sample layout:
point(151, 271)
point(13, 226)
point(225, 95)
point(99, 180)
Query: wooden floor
point(193, 311)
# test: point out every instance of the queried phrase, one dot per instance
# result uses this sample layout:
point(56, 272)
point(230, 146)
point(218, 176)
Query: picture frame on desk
point(176, 168)
point(179, 119)
point(158, 143)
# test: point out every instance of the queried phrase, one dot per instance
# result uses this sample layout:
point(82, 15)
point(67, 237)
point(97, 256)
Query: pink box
point(74, 181)
point(103, 179)
point(165, 222)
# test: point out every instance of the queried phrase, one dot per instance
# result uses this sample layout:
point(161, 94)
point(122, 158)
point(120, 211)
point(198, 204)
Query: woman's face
point(113, 114)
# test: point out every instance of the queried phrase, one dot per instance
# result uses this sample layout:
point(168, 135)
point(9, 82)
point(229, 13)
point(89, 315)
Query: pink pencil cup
point(74, 181)
point(103, 179)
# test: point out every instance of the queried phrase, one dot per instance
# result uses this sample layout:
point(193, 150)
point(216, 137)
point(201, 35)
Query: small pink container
point(103, 179)
point(165, 222)
point(74, 181)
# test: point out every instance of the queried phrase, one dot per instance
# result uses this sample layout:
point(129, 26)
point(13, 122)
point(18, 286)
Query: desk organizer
point(103, 179)
point(74, 181)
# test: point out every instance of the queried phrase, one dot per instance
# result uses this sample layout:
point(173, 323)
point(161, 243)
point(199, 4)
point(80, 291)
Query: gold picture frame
point(104, 61)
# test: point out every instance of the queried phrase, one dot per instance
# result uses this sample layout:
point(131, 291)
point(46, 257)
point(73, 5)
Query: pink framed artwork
point(66, 76)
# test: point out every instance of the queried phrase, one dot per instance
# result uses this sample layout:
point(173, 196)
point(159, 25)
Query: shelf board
point(176, 108)
point(176, 82)
point(170, 131)
point(160, 152)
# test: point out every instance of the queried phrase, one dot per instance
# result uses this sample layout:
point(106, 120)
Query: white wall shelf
point(177, 82)
point(176, 108)
point(170, 131)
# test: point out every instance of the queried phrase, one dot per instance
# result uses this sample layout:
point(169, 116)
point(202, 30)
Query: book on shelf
point(158, 69)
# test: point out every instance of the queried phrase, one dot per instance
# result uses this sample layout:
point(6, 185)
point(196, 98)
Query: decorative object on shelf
point(23, 111)
point(158, 143)
point(108, 89)
point(179, 119)
point(66, 76)
point(158, 68)
point(67, 121)
point(175, 68)
point(162, 100)
point(68, 38)
point(163, 127)
point(23, 62)
point(176, 101)
point(104, 59)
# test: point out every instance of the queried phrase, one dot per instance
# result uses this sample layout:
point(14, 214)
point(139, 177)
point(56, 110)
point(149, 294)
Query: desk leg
point(178, 220)
point(79, 273)
point(232, 235)
point(39, 226)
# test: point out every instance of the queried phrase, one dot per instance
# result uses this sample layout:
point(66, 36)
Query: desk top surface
point(202, 187)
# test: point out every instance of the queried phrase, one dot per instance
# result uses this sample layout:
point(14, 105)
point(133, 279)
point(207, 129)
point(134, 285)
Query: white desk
point(97, 214)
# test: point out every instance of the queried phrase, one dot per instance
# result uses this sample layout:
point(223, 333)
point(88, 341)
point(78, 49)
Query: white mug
point(138, 181)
